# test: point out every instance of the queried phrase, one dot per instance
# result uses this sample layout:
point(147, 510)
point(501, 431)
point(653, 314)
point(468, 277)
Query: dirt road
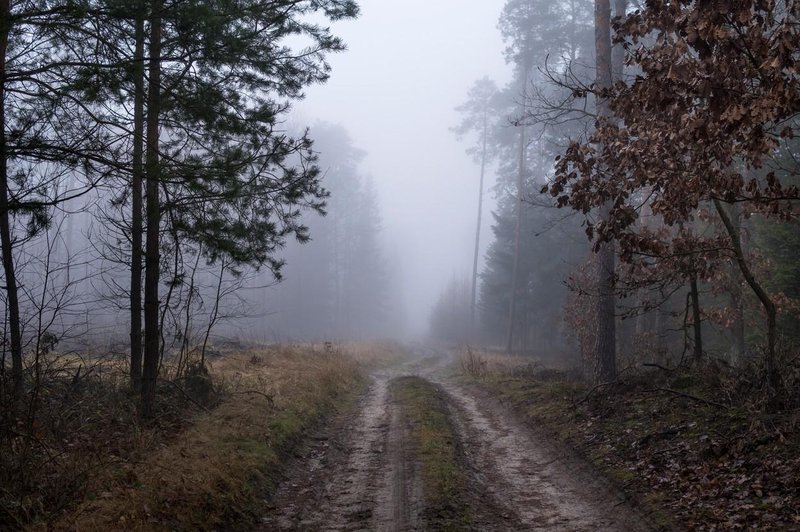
point(361, 473)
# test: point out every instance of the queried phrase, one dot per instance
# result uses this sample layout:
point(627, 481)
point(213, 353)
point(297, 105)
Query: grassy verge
point(435, 441)
point(211, 474)
point(689, 446)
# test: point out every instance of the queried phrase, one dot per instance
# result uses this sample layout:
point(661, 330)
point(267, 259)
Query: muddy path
point(355, 474)
point(361, 471)
point(539, 485)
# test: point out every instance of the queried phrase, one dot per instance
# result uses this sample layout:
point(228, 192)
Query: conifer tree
point(234, 183)
point(477, 112)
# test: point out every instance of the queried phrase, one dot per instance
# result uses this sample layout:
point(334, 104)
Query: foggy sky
point(409, 63)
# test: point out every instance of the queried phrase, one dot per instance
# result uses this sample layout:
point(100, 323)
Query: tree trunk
point(618, 51)
point(773, 374)
point(605, 348)
point(697, 323)
point(512, 306)
point(474, 296)
point(739, 345)
point(737, 300)
point(152, 169)
point(6, 248)
point(136, 203)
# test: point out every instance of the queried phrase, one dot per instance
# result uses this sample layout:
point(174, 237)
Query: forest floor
point(695, 448)
point(425, 452)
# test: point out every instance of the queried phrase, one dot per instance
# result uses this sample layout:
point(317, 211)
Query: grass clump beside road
point(213, 474)
point(693, 446)
point(436, 444)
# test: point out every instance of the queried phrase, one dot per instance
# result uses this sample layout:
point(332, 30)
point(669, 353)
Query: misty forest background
point(159, 200)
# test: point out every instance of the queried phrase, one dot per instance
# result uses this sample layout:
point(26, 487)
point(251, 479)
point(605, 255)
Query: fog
point(244, 250)
point(395, 89)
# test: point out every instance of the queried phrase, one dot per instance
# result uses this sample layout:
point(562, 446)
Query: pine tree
point(219, 79)
point(337, 284)
point(477, 113)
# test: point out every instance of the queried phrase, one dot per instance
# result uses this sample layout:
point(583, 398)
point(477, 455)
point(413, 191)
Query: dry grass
point(373, 354)
point(213, 472)
point(483, 362)
point(197, 468)
point(76, 417)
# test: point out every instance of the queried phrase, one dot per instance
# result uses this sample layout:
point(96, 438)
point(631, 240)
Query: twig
point(669, 449)
point(656, 365)
point(590, 392)
point(269, 398)
point(189, 397)
point(689, 396)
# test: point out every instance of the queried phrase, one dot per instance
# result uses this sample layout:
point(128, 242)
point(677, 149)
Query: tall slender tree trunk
point(737, 300)
point(618, 51)
point(697, 322)
point(474, 296)
point(737, 303)
point(152, 171)
point(136, 202)
point(6, 248)
point(512, 306)
point(693, 300)
point(605, 349)
point(774, 381)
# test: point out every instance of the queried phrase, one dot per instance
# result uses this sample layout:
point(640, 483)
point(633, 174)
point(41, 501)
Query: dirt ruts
point(356, 475)
point(361, 473)
point(538, 484)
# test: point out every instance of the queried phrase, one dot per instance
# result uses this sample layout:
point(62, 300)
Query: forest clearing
point(370, 265)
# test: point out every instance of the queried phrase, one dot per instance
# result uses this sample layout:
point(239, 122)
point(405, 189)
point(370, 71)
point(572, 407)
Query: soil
point(360, 473)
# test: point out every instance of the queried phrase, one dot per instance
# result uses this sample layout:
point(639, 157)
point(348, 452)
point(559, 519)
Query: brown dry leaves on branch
point(709, 115)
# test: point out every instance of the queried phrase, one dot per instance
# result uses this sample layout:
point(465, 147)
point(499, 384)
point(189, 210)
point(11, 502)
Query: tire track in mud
point(359, 475)
point(537, 484)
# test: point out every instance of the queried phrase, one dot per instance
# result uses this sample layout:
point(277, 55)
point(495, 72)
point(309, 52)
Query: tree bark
point(474, 296)
point(512, 306)
point(697, 323)
point(152, 171)
point(739, 343)
point(737, 300)
point(6, 246)
point(136, 203)
point(605, 349)
point(773, 374)
point(618, 51)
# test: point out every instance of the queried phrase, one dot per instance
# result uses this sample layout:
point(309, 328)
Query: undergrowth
point(215, 447)
point(697, 447)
